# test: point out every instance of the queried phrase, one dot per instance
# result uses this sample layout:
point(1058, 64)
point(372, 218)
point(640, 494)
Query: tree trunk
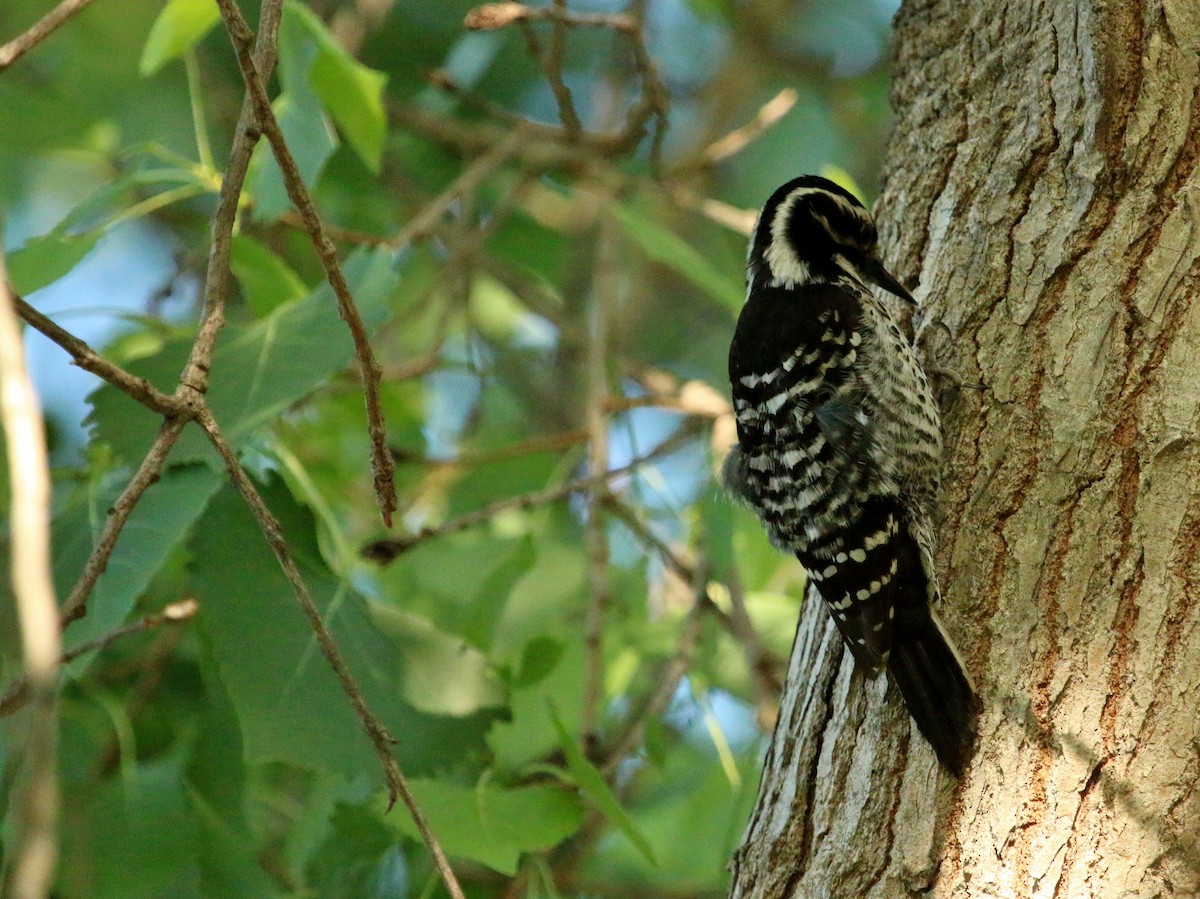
point(1043, 183)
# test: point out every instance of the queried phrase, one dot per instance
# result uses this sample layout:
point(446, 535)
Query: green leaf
point(529, 734)
point(669, 249)
point(43, 260)
point(289, 703)
point(841, 177)
point(541, 654)
point(490, 824)
point(360, 857)
point(442, 674)
point(257, 370)
point(267, 280)
point(178, 28)
point(217, 787)
point(132, 837)
point(309, 137)
point(693, 818)
point(588, 779)
point(96, 210)
point(158, 525)
point(351, 93)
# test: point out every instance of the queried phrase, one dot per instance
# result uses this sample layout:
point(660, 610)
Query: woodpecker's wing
point(792, 350)
point(804, 458)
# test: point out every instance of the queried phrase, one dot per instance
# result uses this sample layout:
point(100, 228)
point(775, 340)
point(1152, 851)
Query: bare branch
point(472, 176)
point(552, 62)
point(654, 100)
point(491, 16)
point(738, 139)
point(18, 692)
point(42, 29)
point(604, 293)
point(381, 460)
point(148, 472)
point(387, 550)
point(194, 378)
point(31, 870)
point(543, 443)
point(89, 360)
point(381, 740)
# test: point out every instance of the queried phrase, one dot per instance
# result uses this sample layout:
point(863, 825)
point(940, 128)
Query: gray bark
point(1043, 184)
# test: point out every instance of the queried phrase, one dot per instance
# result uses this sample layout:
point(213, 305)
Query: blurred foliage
point(218, 757)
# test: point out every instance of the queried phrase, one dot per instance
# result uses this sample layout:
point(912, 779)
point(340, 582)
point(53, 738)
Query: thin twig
point(148, 472)
point(31, 869)
point(193, 381)
point(604, 293)
point(491, 16)
point(692, 398)
point(42, 29)
point(381, 740)
point(471, 177)
point(387, 550)
point(543, 443)
point(89, 360)
point(652, 104)
point(739, 138)
point(552, 65)
point(18, 692)
point(381, 461)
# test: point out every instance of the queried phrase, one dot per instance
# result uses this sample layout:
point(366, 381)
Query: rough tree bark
point(1043, 184)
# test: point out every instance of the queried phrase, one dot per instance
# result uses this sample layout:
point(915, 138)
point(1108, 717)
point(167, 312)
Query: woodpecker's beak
point(875, 271)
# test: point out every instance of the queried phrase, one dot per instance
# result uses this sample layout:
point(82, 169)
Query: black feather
point(934, 685)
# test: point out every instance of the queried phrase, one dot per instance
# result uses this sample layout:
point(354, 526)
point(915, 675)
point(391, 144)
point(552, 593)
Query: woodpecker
point(839, 446)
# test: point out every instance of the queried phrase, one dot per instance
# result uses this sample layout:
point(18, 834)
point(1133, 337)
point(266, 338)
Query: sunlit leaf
point(180, 25)
point(442, 674)
point(529, 735)
point(351, 93)
point(840, 176)
point(490, 824)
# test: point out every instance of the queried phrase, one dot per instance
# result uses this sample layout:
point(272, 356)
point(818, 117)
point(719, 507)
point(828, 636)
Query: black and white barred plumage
point(839, 446)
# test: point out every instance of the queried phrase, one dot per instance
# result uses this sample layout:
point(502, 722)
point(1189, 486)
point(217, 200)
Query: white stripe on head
point(786, 268)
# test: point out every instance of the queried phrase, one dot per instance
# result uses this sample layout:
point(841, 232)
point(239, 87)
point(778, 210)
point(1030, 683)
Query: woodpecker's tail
point(931, 677)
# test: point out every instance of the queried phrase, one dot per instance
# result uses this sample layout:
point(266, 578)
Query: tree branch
point(381, 461)
point(42, 29)
point(35, 849)
point(88, 359)
point(604, 291)
point(148, 472)
point(18, 691)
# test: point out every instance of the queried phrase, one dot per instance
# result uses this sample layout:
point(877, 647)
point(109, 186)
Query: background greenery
point(218, 756)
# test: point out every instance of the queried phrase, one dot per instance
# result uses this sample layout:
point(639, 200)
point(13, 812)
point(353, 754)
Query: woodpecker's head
point(812, 231)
